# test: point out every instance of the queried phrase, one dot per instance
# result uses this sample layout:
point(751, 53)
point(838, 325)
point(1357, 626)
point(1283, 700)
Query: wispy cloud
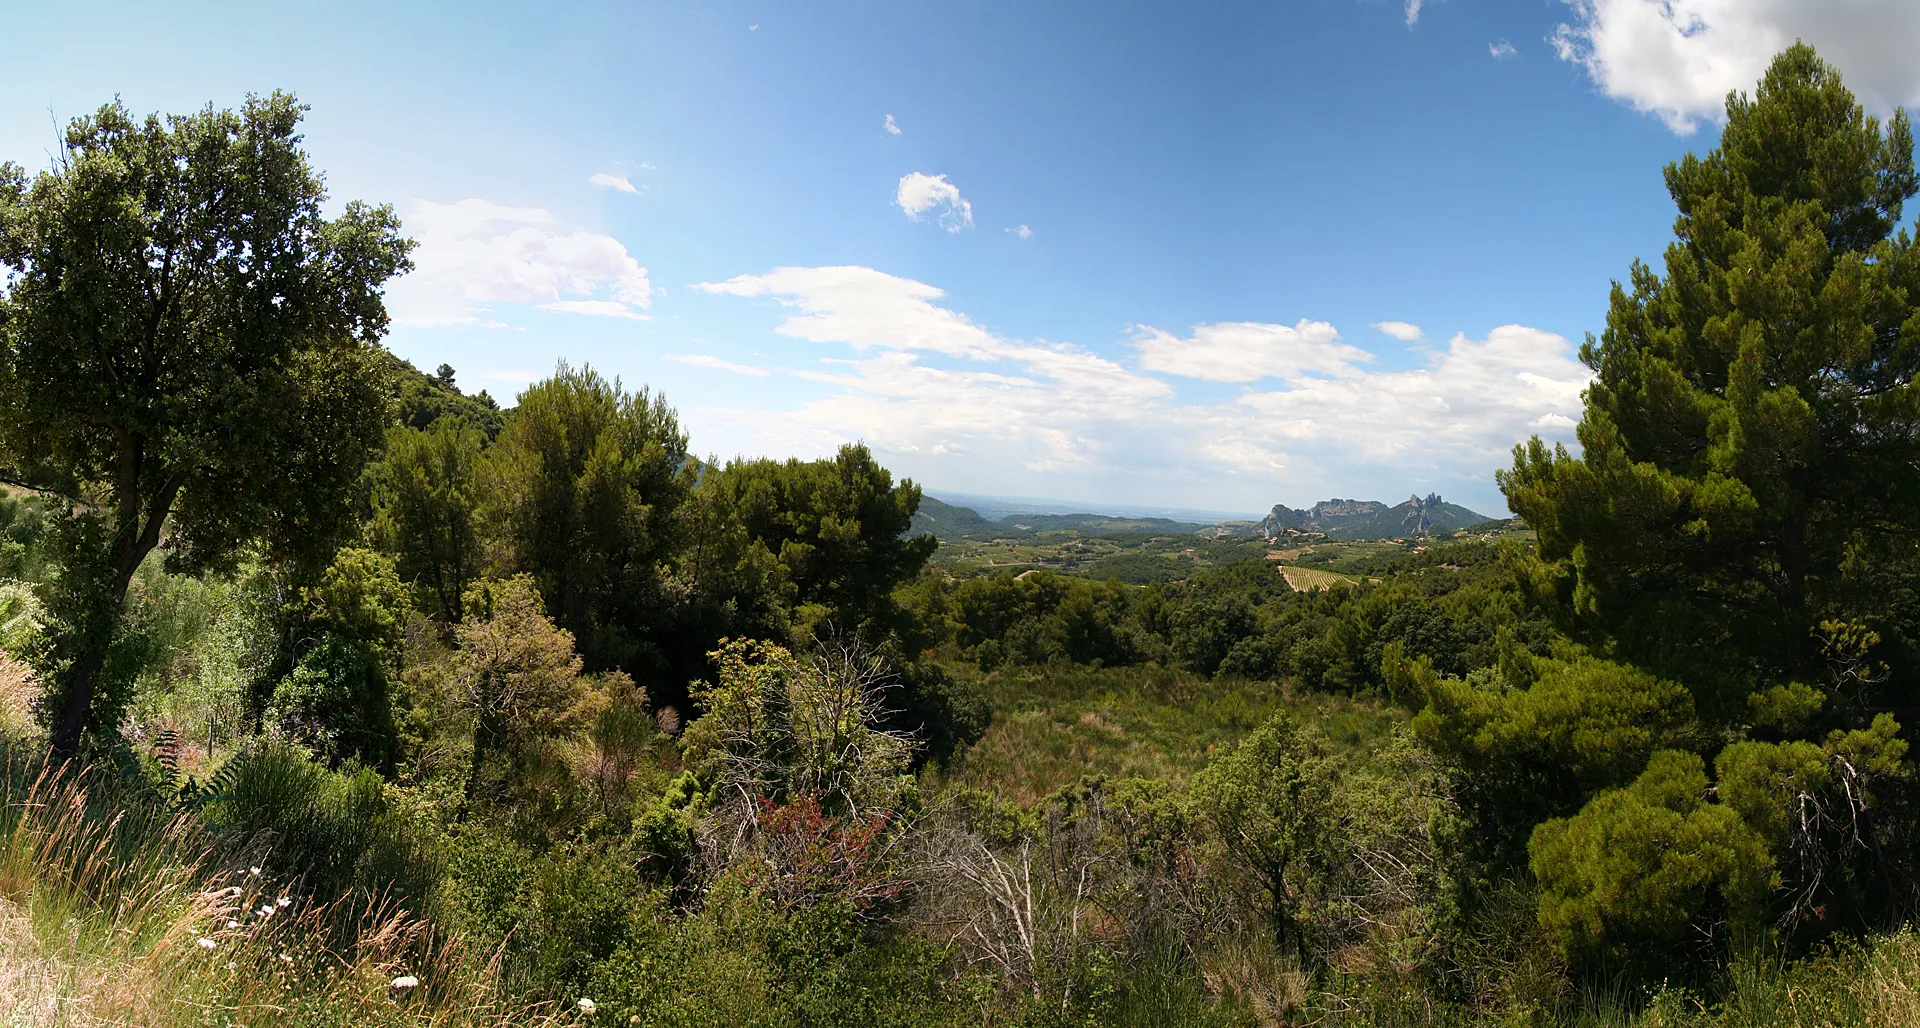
point(1413, 11)
point(1405, 331)
point(594, 308)
point(606, 181)
point(702, 360)
point(1022, 231)
point(1247, 351)
point(921, 194)
point(892, 129)
point(923, 383)
point(1501, 50)
point(475, 255)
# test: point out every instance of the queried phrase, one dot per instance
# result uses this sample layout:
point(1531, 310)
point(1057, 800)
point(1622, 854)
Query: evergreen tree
point(1750, 438)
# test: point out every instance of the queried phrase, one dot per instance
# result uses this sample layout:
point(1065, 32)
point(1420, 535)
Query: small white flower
point(229, 965)
point(405, 981)
point(206, 943)
point(233, 890)
point(268, 910)
point(231, 923)
point(285, 959)
point(253, 870)
point(586, 1005)
point(283, 901)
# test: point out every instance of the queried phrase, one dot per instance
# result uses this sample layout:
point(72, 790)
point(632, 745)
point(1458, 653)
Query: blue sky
point(1198, 255)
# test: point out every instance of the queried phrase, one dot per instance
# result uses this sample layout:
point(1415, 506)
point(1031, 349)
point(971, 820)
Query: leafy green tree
point(337, 699)
point(193, 344)
point(1272, 801)
point(587, 483)
point(839, 527)
point(426, 509)
point(1749, 437)
point(518, 678)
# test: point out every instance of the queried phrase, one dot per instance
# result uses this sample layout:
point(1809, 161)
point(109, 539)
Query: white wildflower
point(206, 943)
point(405, 981)
point(267, 911)
point(283, 901)
point(231, 923)
point(586, 1005)
point(253, 870)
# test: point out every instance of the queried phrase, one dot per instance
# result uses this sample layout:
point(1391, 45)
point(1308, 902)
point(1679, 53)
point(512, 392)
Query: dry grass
point(18, 687)
point(130, 917)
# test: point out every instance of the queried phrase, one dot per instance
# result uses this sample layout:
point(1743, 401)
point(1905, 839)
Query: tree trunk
point(79, 682)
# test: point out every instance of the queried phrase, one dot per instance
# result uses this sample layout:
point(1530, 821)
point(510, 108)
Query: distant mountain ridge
point(1366, 519)
point(1335, 518)
point(949, 523)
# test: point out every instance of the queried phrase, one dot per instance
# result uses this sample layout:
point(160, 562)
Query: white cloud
point(1465, 409)
point(595, 308)
point(606, 181)
point(892, 129)
point(644, 166)
point(922, 382)
point(1413, 11)
point(703, 360)
point(929, 377)
point(1022, 231)
point(475, 254)
point(1246, 351)
point(1678, 59)
point(921, 194)
point(1501, 50)
point(1405, 331)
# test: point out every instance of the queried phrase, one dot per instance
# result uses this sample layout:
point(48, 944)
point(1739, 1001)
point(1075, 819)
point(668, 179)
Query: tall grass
point(118, 911)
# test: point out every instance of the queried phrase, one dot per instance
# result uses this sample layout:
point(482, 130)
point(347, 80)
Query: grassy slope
point(1053, 726)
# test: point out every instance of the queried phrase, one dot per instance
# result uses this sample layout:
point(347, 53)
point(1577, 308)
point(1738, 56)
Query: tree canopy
point(189, 341)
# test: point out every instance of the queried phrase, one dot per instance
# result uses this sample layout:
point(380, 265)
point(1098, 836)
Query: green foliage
point(337, 703)
point(778, 726)
point(240, 403)
point(338, 831)
point(1584, 724)
point(518, 679)
point(427, 498)
point(1650, 862)
point(590, 478)
point(1747, 445)
point(839, 529)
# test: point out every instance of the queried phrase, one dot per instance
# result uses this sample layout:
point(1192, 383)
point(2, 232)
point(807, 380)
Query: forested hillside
point(332, 693)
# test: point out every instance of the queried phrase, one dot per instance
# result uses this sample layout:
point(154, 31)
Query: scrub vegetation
point(331, 694)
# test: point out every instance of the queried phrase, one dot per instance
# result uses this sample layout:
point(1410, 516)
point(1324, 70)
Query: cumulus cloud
point(1678, 59)
point(1413, 11)
point(703, 360)
point(919, 380)
point(921, 194)
point(1405, 331)
point(1247, 351)
point(1464, 409)
point(1022, 231)
point(606, 181)
point(1501, 50)
point(892, 129)
point(476, 254)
